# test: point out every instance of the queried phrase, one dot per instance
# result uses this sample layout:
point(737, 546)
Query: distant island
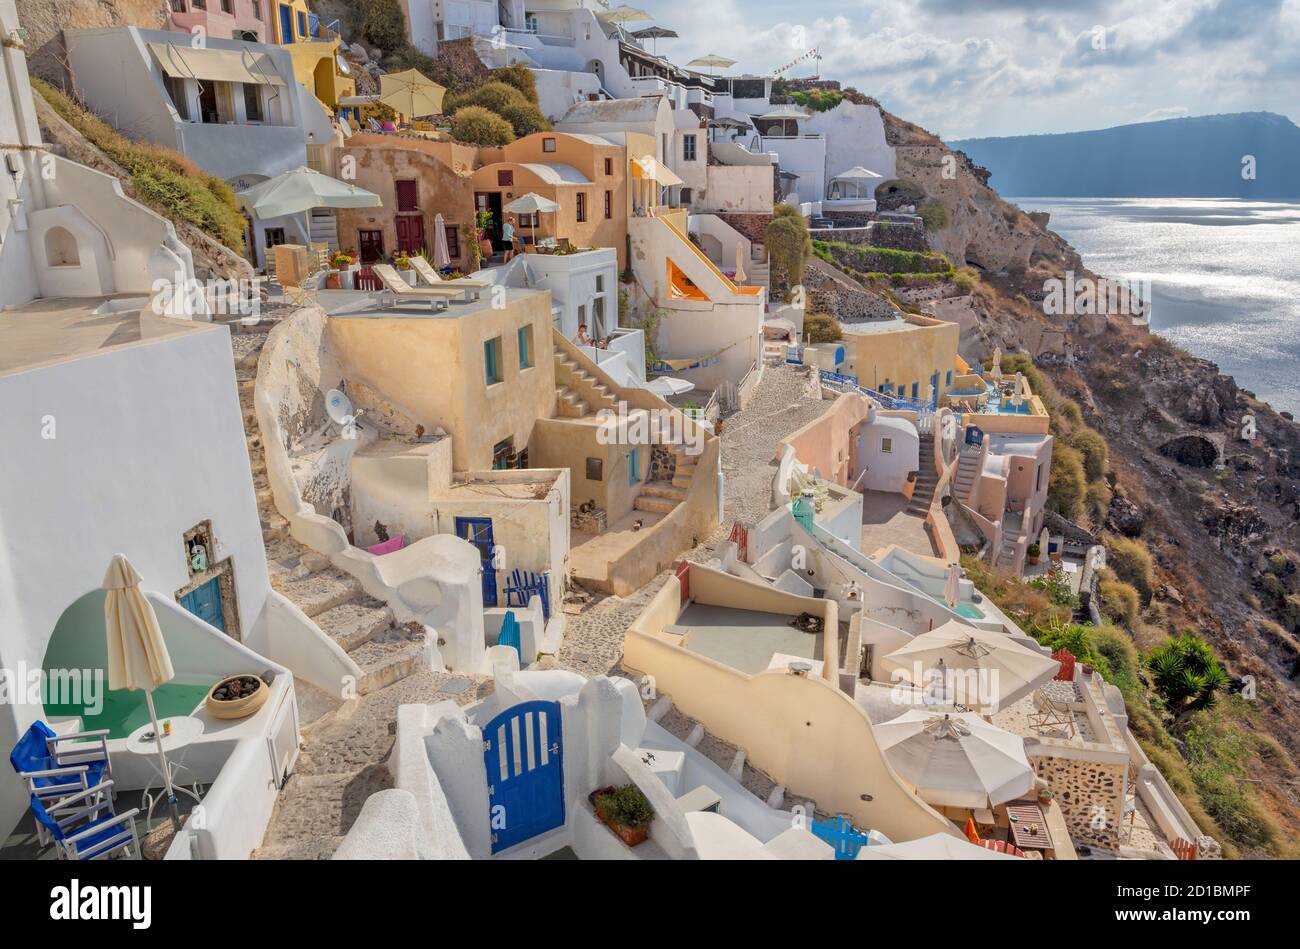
point(1200, 157)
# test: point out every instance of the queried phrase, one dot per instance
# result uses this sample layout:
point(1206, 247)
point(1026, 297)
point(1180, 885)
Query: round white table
point(185, 730)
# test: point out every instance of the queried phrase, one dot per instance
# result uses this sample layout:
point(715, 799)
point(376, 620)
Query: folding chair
point(85, 827)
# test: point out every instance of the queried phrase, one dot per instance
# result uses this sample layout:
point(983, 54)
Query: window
point(252, 103)
point(1038, 479)
point(453, 241)
point(228, 7)
point(916, 390)
point(530, 22)
point(505, 179)
point(407, 195)
point(688, 148)
point(609, 205)
point(302, 23)
point(947, 379)
point(178, 6)
point(492, 361)
point(501, 453)
point(582, 206)
point(887, 446)
point(274, 236)
point(609, 166)
point(529, 220)
point(176, 89)
point(548, 144)
point(200, 4)
point(257, 9)
point(634, 466)
point(595, 469)
point(525, 334)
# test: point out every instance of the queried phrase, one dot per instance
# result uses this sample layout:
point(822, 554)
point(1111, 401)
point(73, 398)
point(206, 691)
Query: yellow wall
point(314, 66)
point(911, 353)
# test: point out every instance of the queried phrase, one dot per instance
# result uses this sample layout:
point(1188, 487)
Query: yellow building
point(314, 47)
point(903, 357)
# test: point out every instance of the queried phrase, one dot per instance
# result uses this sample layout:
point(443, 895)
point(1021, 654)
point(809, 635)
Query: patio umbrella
point(952, 586)
point(1044, 541)
point(740, 263)
point(711, 61)
point(956, 760)
point(654, 34)
point(300, 190)
point(411, 92)
point(137, 654)
point(668, 385)
point(532, 203)
point(441, 253)
point(977, 669)
point(935, 847)
point(784, 114)
point(996, 369)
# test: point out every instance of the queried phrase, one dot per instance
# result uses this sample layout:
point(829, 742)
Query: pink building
point(223, 19)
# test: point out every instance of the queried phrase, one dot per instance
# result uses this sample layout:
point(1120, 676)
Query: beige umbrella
point(740, 263)
point(996, 369)
point(956, 760)
point(1044, 539)
point(975, 668)
point(935, 847)
point(411, 92)
point(441, 252)
point(137, 654)
point(624, 14)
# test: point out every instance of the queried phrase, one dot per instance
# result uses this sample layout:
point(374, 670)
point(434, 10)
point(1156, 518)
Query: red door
point(410, 233)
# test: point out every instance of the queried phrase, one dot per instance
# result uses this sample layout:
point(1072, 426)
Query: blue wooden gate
point(523, 750)
point(523, 584)
point(478, 531)
point(840, 834)
point(205, 603)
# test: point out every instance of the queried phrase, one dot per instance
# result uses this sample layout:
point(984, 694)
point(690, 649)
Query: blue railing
point(843, 383)
point(846, 839)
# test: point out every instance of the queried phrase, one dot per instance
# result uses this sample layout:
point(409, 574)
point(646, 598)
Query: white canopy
point(670, 385)
point(532, 203)
point(934, 847)
point(956, 760)
point(712, 60)
point(972, 667)
point(856, 173)
point(300, 190)
point(785, 112)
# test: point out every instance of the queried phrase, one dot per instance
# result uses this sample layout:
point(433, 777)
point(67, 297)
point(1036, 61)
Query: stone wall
point(894, 235)
point(1091, 796)
point(45, 21)
point(842, 300)
point(752, 225)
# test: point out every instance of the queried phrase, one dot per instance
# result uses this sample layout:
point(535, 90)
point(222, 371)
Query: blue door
point(286, 24)
point(478, 531)
point(205, 603)
point(523, 753)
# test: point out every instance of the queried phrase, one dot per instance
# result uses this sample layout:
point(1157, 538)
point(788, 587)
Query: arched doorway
point(61, 248)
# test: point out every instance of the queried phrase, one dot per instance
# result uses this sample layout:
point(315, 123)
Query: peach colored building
point(247, 20)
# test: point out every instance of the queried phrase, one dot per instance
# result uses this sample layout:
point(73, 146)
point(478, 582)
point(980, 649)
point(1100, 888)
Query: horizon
point(1006, 69)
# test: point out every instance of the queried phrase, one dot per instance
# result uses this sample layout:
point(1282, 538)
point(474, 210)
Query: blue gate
point(523, 752)
point(205, 603)
point(478, 531)
point(840, 834)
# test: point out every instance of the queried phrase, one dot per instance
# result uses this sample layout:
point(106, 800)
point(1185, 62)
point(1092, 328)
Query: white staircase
point(325, 228)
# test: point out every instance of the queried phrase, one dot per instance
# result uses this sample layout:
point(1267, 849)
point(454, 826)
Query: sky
point(1009, 67)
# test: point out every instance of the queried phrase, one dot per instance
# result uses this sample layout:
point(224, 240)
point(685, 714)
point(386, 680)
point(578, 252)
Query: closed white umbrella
point(740, 264)
point(1044, 541)
point(977, 669)
point(137, 654)
point(441, 253)
point(934, 847)
point(956, 760)
point(952, 586)
point(996, 369)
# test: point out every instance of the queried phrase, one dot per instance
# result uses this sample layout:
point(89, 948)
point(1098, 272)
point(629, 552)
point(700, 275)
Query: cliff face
point(45, 21)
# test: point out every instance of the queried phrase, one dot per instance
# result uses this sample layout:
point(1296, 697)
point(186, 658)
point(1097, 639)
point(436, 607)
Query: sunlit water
point(1225, 276)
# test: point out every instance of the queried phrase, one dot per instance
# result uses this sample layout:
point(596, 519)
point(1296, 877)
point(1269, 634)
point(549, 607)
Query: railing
point(841, 383)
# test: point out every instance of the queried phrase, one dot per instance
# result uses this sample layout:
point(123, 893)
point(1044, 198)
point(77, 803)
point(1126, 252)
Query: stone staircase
point(926, 480)
point(758, 271)
point(364, 627)
point(579, 393)
point(968, 469)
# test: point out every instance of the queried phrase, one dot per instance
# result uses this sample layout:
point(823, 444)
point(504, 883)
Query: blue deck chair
point(509, 635)
point(85, 827)
point(55, 766)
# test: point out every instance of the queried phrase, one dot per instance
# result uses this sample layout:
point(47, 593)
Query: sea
point(1224, 276)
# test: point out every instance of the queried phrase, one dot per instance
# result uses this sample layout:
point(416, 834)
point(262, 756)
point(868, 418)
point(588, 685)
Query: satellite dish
point(339, 408)
point(343, 66)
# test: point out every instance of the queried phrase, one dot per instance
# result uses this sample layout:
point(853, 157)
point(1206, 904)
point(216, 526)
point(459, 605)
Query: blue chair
point(85, 828)
point(509, 635)
point(55, 766)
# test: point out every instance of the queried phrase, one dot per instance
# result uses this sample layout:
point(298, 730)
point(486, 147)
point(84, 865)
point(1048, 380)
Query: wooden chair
point(1050, 714)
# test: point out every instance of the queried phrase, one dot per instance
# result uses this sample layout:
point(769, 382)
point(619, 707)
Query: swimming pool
point(123, 711)
point(969, 610)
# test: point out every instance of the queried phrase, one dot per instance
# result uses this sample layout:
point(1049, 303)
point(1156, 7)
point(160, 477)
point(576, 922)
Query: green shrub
point(1066, 485)
point(627, 806)
point(820, 328)
point(475, 125)
point(495, 96)
point(933, 215)
point(519, 76)
point(787, 248)
point(787, 210)
point(1120, 657)
point(866, 259)
point(1095, 452)
point(1131, 562)
point(384, 24)
point(1186, 673)
point(525, 118)
point(966, 280)
point(1119, 601)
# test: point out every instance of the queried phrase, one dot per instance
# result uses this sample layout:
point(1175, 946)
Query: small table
point(186, 729)
point(1024, 816)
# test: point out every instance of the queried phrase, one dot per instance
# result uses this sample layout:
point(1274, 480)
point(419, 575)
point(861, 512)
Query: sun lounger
point(434, 279)
point(1050, 714)
point(398, 290)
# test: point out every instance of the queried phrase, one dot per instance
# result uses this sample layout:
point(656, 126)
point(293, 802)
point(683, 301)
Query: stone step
point(321, 591)
point(663, 489)
point(386, 660)
point(654, 505)
point(356, 622)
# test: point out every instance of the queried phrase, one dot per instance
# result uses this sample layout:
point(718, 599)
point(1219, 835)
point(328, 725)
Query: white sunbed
point(396, 290)
point(434, 279)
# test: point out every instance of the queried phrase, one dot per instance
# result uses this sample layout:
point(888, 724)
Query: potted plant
point(1045, 796)
point(1033, 552)
point(625, 811)
point(1088, 668)
point(345, 262)
point(403, 265)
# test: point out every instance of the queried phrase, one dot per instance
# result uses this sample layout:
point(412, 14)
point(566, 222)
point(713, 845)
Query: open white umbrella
point(934, 847)
point(952, 586)
point(137, 654)
point(300, 190)
point(441, 253)
point(532, 203)
point(976, 668)
point(668, 385)
point(711, 61)
point(956, 760)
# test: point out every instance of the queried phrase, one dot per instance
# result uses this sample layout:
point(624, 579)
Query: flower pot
point(1087, 669)
point(629, 835)
point(241, 707)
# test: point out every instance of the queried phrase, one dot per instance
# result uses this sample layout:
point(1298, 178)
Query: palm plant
point(1187, 673)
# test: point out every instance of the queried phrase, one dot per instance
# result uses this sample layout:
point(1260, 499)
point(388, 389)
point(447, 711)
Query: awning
point(647, 167)
point(216, 65)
